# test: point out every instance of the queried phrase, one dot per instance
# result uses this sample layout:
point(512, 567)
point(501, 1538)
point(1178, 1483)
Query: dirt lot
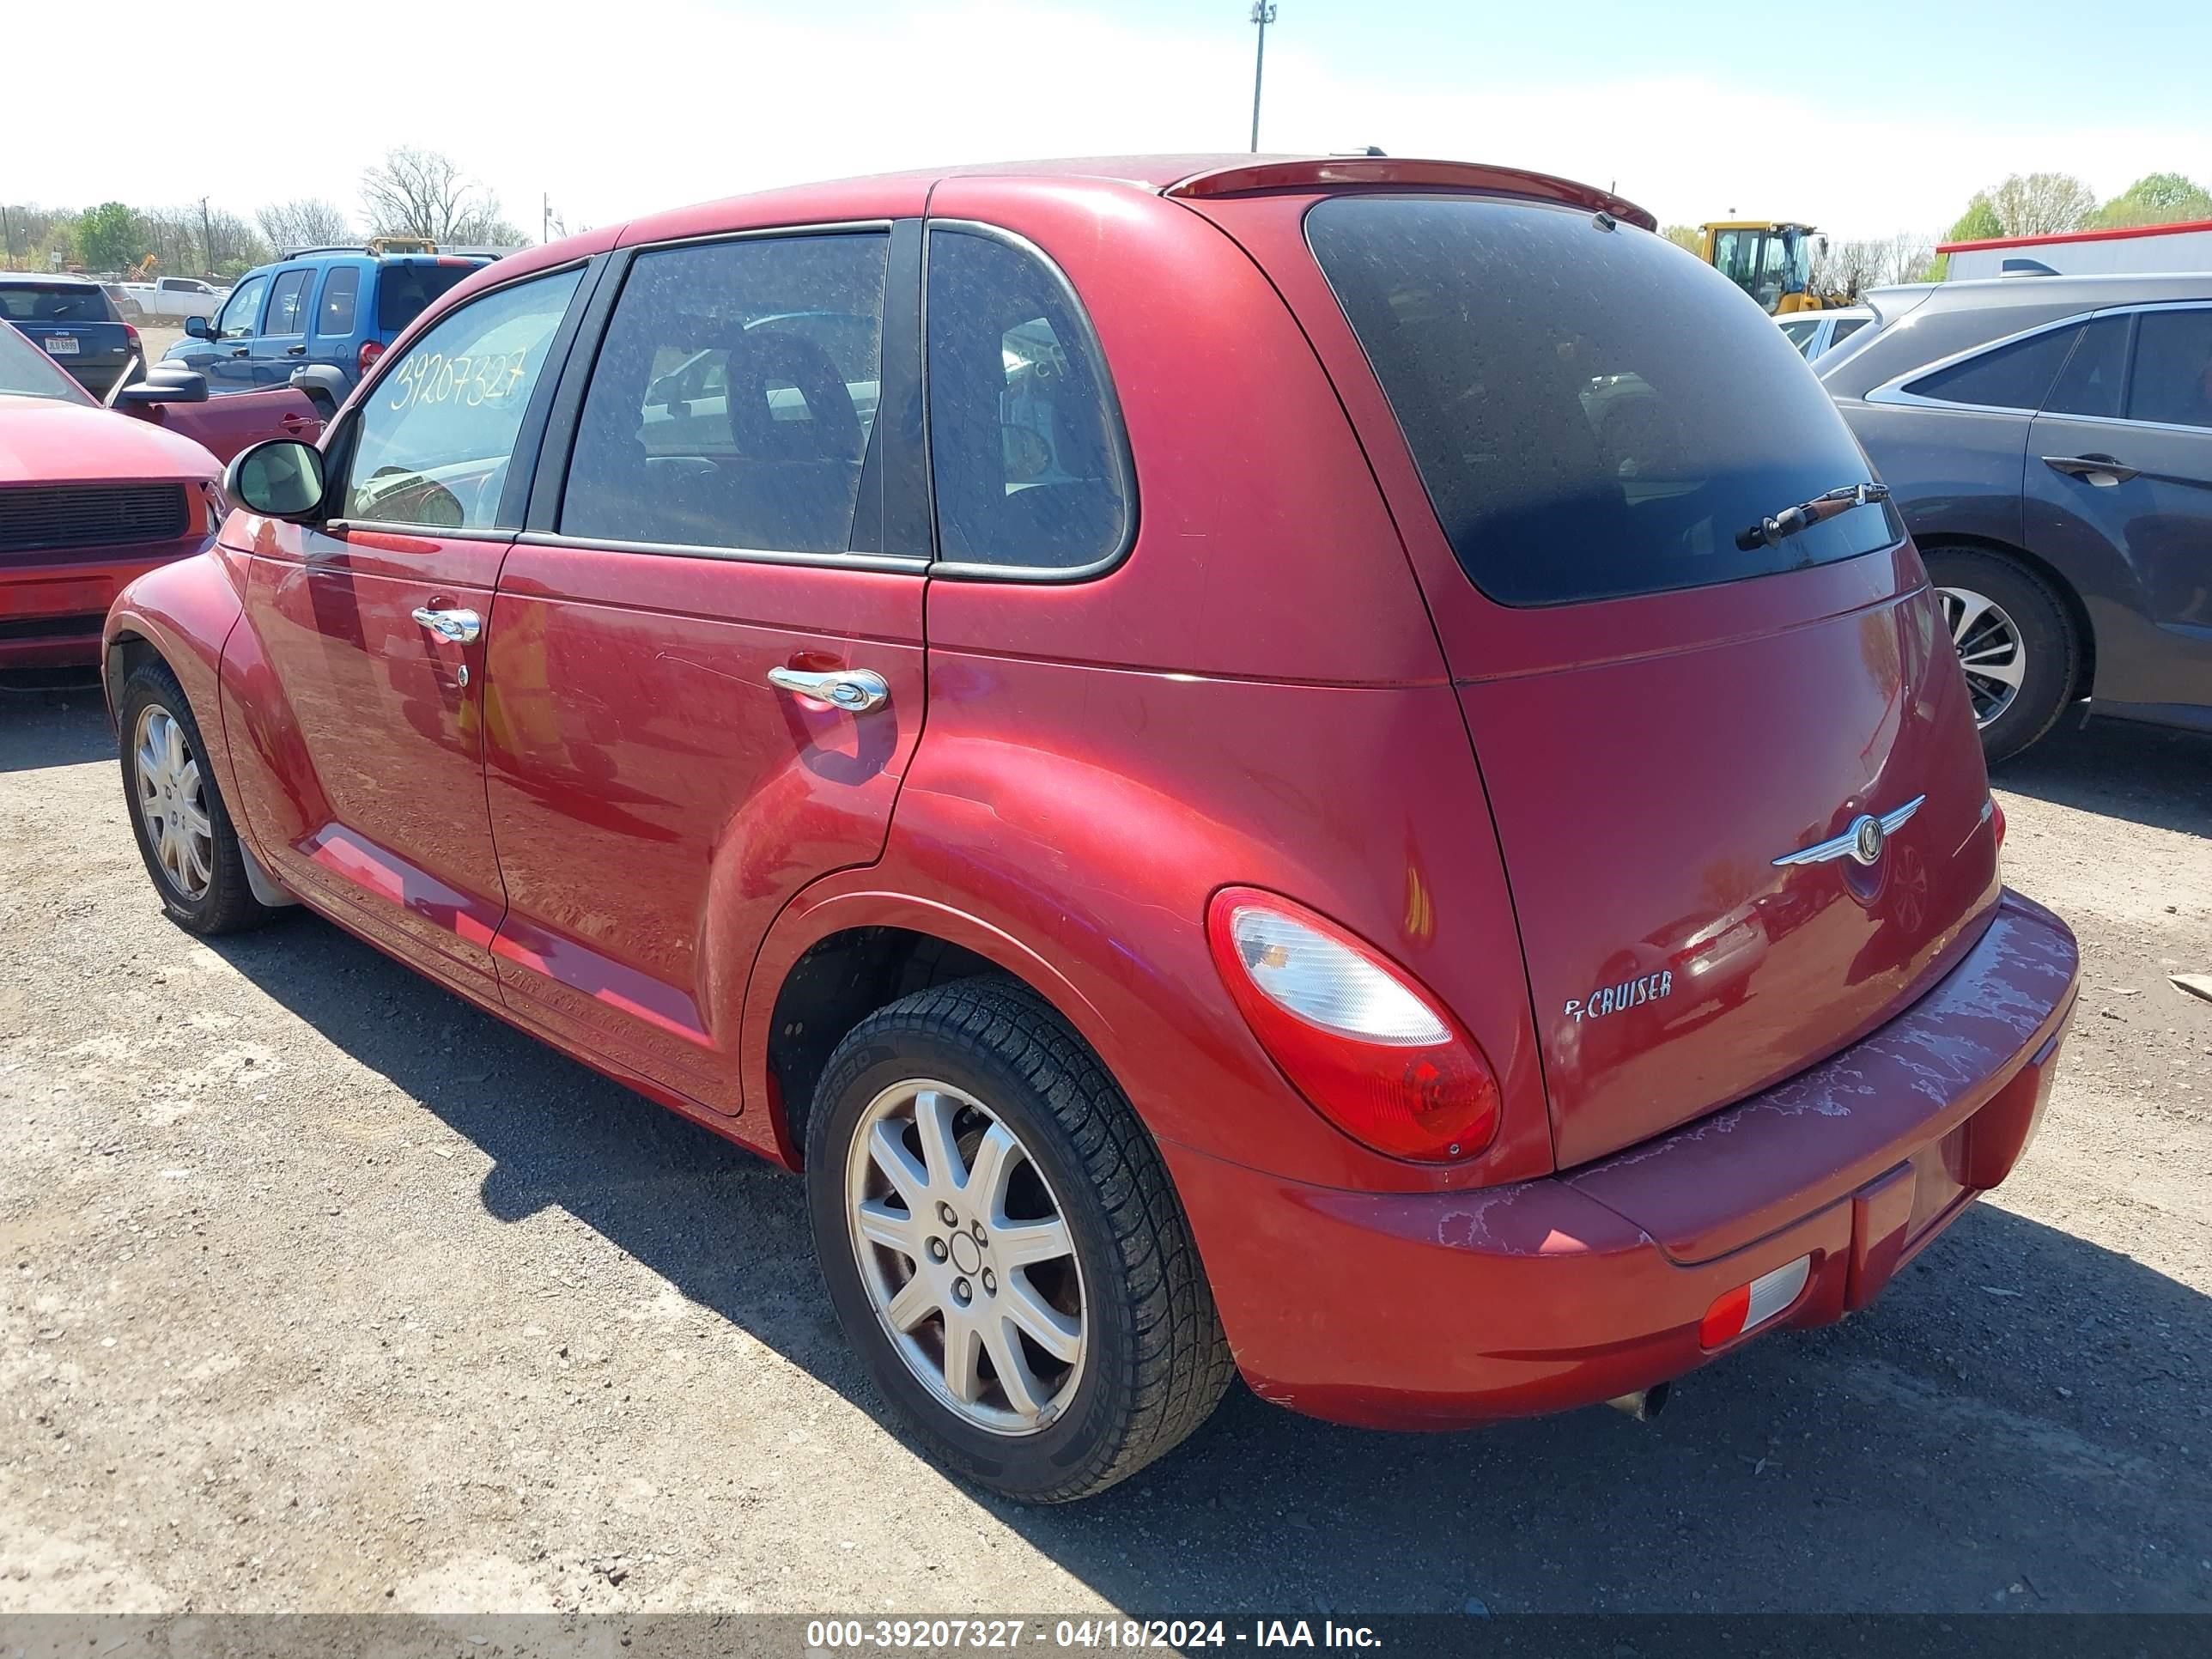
point(325, 1292)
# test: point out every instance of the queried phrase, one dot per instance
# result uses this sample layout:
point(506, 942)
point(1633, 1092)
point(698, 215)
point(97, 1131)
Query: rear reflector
point(1747, 1307)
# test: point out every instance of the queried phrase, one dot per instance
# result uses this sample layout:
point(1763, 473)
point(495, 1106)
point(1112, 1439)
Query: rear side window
point(403, 291)
point(2015, 376)
point(1593, 416)
point(734, 397)
point(2090, 384)
point(1845, 328)
point(341, 301)
point(288, 303)
point(1030, 469)
point(435, 435)
point(2173, 369)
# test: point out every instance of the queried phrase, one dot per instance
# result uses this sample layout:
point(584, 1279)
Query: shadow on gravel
point(2020, 1424)
point(2151, 775)
point(52, 718)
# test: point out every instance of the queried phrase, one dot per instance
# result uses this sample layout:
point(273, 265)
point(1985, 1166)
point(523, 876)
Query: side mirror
point(282, 478)
point(167, 386)
point(199, 328)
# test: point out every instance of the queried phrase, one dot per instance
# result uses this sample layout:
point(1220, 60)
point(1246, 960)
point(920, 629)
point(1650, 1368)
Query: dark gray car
point(2049, 440)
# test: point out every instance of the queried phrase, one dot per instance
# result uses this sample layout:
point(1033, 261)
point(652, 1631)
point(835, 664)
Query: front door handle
point(459, 626)
point(2101, 470)
point(241, 352)
point(295, 351)
point(856, 690)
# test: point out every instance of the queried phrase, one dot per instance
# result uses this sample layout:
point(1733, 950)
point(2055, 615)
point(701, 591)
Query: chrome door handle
point(459, 626)
point(856, 690)
point(2097, 469)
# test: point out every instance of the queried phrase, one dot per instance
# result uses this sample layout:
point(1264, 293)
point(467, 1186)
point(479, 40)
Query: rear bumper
point(52, 614)
point(1437, 1311)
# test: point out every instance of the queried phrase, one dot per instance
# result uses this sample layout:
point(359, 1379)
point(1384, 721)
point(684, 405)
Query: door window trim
point(1892, 391)
point(522, 465)
point(903, 279)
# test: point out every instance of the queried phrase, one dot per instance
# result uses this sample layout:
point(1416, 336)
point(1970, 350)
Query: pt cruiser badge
point(1626, 994)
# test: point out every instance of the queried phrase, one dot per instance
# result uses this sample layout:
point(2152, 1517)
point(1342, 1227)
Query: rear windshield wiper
point(1803, 516)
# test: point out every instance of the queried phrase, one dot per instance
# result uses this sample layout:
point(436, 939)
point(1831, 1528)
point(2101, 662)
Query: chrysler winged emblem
point(1861, 841)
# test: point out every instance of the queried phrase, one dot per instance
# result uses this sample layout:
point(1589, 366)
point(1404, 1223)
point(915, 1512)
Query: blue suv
point(339, 306)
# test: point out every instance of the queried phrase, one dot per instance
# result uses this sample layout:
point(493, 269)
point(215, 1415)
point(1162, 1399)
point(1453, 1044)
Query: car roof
point(69, 276)
point(1974, 293)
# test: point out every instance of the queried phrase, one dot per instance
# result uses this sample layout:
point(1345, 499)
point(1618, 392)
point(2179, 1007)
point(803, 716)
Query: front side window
point(1801, 335)
point(288, 303)
point(1024, 438)
point(437, 430)
point(340, 302)
point(734, 396)
point(1846, 327)
point(1591, 416)
point(2173, 369)
point(242, 309)
point(2015, 376)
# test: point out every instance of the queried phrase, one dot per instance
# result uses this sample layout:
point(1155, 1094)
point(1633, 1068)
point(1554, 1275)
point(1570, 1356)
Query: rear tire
point(1109, 1327)
point(184, 830)
point(2015, 641)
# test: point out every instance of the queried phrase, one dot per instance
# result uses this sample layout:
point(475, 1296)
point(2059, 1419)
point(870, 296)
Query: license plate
point(61, 345)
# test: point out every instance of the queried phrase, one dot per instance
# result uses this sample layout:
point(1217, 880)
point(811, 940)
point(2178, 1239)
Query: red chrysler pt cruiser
point(1324, 768)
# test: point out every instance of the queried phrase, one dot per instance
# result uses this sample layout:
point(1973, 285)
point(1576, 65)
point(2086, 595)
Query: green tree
point(1686, 236)
point(1978, 223)
point(2043, 203)
point(111, 237)
point(2157, 198)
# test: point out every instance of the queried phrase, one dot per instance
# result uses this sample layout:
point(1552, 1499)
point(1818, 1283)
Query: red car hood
point(46, 440)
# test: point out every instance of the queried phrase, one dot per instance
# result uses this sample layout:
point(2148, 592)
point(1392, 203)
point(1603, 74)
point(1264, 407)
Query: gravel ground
point(324, 1291)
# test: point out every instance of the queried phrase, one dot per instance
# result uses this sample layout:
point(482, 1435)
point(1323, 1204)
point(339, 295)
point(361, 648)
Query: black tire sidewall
point(2046, 639)
point(1089, 1432)
point(152, 686)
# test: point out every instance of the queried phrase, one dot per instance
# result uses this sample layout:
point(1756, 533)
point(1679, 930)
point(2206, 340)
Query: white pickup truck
point(169, 299)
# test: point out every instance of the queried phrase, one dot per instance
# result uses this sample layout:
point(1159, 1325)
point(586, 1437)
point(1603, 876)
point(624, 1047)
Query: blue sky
point(1877, 117)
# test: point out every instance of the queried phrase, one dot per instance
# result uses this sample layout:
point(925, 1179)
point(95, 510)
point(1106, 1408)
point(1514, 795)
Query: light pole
point(1263, 12)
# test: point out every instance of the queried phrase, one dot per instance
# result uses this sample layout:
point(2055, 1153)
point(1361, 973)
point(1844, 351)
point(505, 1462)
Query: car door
point(225, 358)
point(360, 686)
point(224, 426)
point(2117, 496)
point(275, 351)
point(337, 318)
point(706, 669)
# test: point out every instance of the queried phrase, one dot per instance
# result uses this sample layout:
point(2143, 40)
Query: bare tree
point(2043, 203)
point(310, 221)
point(1851, 266)
point(1906, 256)
point(419, 192)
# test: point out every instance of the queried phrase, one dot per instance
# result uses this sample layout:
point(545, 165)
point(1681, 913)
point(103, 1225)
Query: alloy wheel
point(172, 802)
point(1990, 649)
point(967, 1257)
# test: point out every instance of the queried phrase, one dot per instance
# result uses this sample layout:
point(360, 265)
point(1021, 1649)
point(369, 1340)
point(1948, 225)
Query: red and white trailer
point(2134, 251)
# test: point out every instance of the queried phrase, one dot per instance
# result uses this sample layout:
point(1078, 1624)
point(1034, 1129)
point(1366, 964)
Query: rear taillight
point(130, 335)
point(1373, 1052)
point(1747, 1307)
point(1996, 822)
point(370, 351)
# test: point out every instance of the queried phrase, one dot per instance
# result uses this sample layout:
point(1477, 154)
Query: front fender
point(184, 612)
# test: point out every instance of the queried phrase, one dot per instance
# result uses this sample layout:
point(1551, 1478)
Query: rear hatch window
point(1588, 424)
point(54, 302)
point(404, 289)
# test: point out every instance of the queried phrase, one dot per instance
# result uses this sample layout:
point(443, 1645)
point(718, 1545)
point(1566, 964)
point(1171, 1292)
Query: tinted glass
point(242, 309)
point(2015, 376)
point(2173, 369)
point(2090, 384)
point(1023, 434)
point(55, 302)
point(1592, 415)
point(1801, 335)
point(335, 312)
point(288, 303)
point(403, 291)
point(1846, 327)
point(437, 430)
point(28, 371)
point(734, 396)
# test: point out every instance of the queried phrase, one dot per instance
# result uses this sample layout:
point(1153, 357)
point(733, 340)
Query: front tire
point(2021, 657)
point(184, 830)
point(1002, 1245)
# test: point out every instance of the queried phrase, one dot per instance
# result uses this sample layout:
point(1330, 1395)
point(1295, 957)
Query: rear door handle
point(856, 690)
point(295, 351)
point(2101, 469)
point(459, 626)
